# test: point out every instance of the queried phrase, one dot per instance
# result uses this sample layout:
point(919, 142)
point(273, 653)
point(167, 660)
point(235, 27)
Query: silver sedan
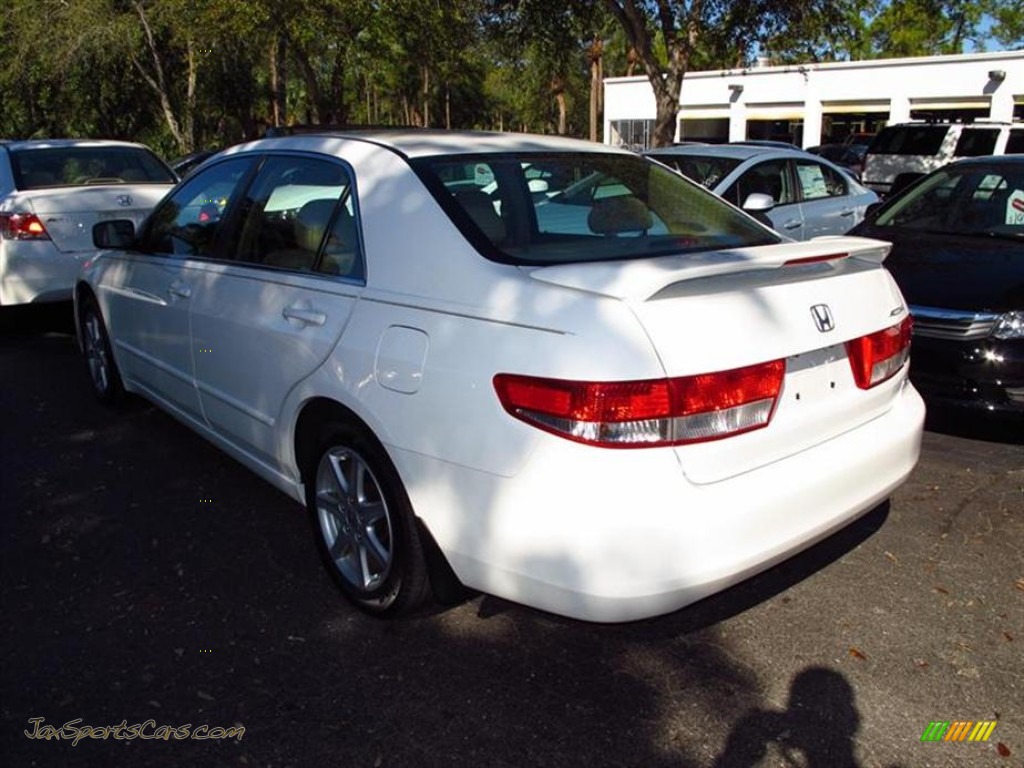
point(798, 194)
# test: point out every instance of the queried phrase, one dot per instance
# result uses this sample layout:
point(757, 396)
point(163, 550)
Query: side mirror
point(116, 233)
point(758, 202)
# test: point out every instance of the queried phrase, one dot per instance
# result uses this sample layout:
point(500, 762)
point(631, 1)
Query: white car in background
point(605, 405)
point(51, 193)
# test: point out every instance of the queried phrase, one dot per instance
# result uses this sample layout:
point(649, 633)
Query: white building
point(811, 104)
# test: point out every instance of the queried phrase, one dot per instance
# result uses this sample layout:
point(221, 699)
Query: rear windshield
point(568, 208)
point(909, 140)
point(74, 166)
point(706, 171)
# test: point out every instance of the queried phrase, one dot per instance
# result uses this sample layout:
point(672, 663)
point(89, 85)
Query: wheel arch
point(313, 415)
point(83, 292)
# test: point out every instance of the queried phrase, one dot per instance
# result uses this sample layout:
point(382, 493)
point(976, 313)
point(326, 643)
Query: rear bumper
point(35, 271)
point(611, 536)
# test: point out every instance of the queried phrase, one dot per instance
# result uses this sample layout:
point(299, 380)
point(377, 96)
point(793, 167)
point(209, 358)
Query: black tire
point(99, 360)
point(364, 525)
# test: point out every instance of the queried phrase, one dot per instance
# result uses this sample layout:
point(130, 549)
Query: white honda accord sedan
point(52, 191)
point(542, 368)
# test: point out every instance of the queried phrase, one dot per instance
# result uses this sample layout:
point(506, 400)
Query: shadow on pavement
point(31, 319)
point(815, 730)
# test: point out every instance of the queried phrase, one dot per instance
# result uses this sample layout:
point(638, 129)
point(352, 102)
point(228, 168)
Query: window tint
point(1015, 142)
point(768, 178)
point(969, 200)
point(579, 207)
point(296, 209)
point(706, 171)
point(74, 166)
point(187, 223)
point(909, 140)
point(818, 181)
point(975, 142)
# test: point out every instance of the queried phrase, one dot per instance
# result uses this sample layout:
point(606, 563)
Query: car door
point(272, 313)
point(151, 291)
point(827, 204)
point(771, 177)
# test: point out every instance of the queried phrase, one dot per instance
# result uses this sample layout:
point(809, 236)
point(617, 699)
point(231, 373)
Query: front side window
point(76, 166)
point(188, 222)
point(819, 181)
point(529, 208)
point(768, 178)
point(298, 215)
point(971, 200)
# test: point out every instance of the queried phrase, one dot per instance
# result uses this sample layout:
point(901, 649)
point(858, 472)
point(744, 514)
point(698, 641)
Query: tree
point(683, 28)
point(925, 27)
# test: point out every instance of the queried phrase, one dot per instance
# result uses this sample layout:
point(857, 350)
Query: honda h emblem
point(823, 317)
point(124, 200)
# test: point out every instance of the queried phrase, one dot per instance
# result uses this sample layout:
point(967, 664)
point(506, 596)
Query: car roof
point(414, 143)
point(991, 160)
point(735, 151)
point(66, 143)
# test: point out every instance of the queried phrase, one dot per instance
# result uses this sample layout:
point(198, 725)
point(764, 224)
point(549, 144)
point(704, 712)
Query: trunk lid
point(719, 311)
point(69, 213)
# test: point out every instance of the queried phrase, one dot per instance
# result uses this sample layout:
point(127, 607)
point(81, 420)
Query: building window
point(632, 134)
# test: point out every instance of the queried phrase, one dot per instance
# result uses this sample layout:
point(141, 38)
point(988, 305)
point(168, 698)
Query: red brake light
point(815, 259)
point(22, 226)
point(652, 412)
point(879, 356)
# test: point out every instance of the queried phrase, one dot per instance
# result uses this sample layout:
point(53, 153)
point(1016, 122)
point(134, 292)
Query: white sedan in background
point(51, 193)
point(605, 405)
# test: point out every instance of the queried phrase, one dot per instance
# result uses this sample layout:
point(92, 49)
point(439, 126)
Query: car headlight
point(1010, 326)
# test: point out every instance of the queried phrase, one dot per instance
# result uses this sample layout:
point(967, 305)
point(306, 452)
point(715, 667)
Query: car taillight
point(879, 356)
point(651, 412)
point(22, 226)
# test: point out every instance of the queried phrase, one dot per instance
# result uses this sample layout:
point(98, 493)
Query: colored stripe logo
point(958, 730)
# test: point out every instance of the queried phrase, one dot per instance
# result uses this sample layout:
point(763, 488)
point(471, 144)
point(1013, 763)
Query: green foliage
point(178, 74)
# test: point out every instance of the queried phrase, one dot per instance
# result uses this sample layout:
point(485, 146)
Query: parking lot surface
point(149, 580)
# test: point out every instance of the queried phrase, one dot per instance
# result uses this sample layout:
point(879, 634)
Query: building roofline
point(988, 56)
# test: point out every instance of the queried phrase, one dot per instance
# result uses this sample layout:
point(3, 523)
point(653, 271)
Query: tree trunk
point(426, 96)
point(182, 130)
point(558, 89)
point(596, 53)
point(278, 82)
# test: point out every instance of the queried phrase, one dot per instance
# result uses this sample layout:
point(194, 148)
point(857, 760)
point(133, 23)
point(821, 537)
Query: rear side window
point(909, 140)
point(298, 215)
point(77, 166)
point(1015, 142)
point(975, 142)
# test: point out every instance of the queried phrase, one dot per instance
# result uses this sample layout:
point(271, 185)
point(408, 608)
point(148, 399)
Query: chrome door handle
point(181, 290)
point(305, 316)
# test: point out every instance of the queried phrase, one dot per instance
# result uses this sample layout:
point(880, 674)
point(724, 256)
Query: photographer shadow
point(816, 729)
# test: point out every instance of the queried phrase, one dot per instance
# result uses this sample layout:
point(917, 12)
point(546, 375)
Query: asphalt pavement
point(154, 590)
